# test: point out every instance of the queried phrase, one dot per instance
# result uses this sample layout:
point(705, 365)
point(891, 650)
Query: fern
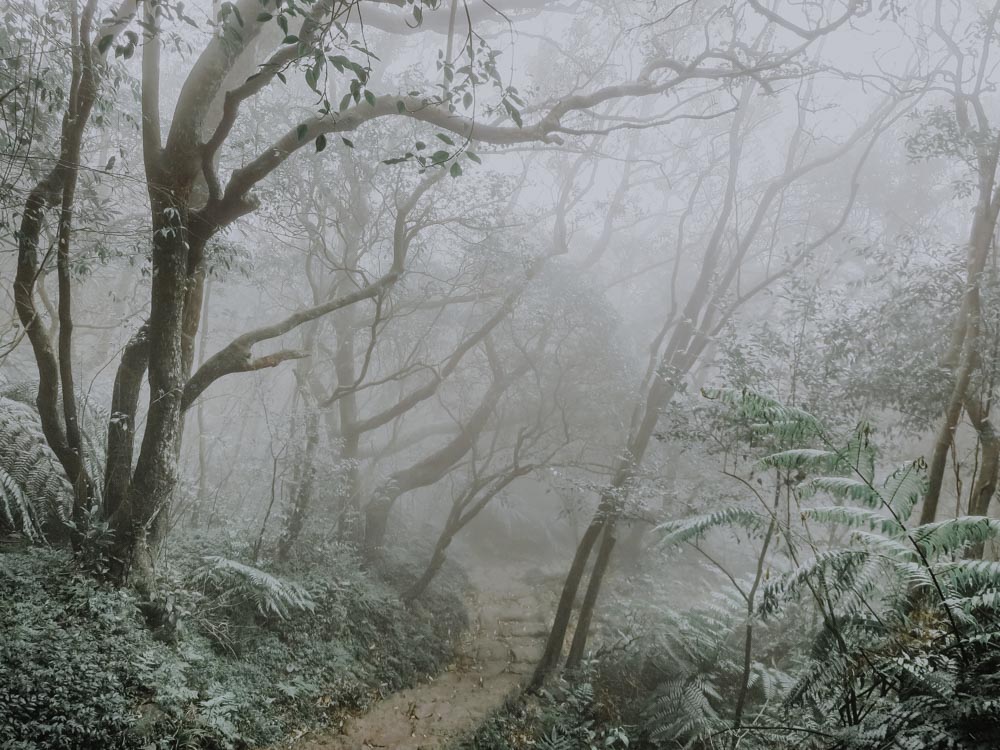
point(34, 490)
point(800, 458)
point(766, 415)
point(17, 511)
point(556, 741)
point(904, 488)
point(853, 517)
point(235, 584)
point(955, 535)
point(690, 529)
point(901, 649)
point(93, 427)
point(847, 489)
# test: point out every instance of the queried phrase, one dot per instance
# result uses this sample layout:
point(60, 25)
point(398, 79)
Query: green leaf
point(290, 39)
point(264, 17)
point(845, 488)
point(446, 139)
point(688, 529)
point(798, 458)
point(456, 169)
point(320, 142)
point(474, 157)
point(347, 142)
point(370, 98)
point(301, 130)
point(419, 145)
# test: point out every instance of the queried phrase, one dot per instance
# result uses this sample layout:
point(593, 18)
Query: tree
point(964, 132)
point(693, 324)
point(191, 203)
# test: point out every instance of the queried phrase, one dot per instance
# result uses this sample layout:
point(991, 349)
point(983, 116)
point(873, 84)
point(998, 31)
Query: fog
point(513, 374)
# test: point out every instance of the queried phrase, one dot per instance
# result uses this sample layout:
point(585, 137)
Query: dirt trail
point(495, 657)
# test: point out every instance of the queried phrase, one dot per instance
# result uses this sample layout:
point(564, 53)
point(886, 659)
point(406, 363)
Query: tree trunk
point(433, 567)
point(202, 498)
point(121, 428)
point(377, 521)
point(433, 467)
point(579, 644)
point(946, 433)
point(303, 491)
point(564, 610)
point(986, 482)
point(156, 471)
point(964, 349)
point(349, 522)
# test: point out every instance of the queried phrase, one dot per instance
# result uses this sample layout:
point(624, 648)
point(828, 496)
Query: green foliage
point(69, 676)
point(233, 584)
point(895, 634)
point(35, 495)
point(230, 654)
point(567, 716)
point(691, 529)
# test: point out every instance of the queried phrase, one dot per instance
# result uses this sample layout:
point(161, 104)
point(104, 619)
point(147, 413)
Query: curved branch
point(808, 34)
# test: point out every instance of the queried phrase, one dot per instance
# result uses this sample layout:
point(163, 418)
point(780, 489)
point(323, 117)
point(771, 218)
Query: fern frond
point(971, 575)
point(858, 456)
point(844, 488)
point(800, 458)
point(955, 534)
point(31, 466)
point(768, 417)
point(236, 582)
point(904, 488)
point(689, 529)
point(17, 510)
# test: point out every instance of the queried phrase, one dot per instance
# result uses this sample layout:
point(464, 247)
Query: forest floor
point(495, 658)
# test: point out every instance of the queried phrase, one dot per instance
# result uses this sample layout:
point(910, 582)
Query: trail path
point(494, 658)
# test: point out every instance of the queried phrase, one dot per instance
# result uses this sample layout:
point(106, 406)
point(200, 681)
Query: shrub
point(68, 673)
point(569, 715)
point(239, 655)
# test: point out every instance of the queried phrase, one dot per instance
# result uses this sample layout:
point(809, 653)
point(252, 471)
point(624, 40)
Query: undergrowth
point(233, 654)
point(571, 714)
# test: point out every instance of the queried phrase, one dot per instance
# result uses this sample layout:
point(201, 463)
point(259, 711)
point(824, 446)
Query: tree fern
point(34, 490)
point(93, 426)
point(902, 647)
point(16, 510)
point(686, 530)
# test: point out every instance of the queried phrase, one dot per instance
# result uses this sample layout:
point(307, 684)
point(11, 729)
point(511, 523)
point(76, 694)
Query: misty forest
point(499, 374)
